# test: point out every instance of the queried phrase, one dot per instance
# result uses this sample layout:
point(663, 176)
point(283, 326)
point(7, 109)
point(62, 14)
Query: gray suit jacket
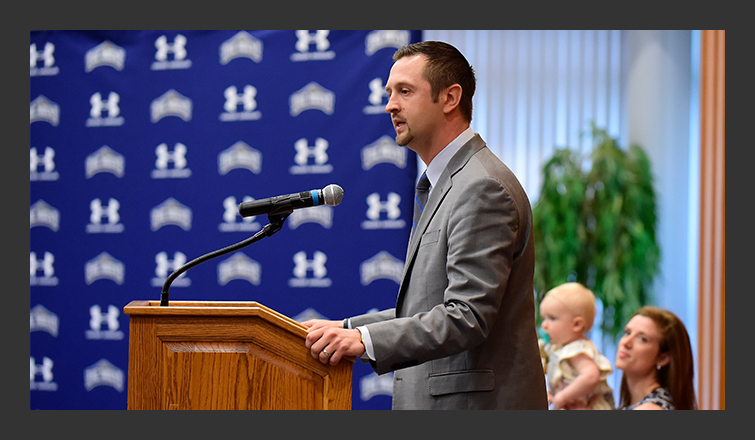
point(462, 334)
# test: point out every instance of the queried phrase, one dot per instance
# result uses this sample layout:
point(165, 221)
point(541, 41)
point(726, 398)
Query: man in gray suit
point(462, 334)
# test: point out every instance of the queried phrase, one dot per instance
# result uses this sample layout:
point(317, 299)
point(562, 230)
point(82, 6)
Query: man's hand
point(328, 341)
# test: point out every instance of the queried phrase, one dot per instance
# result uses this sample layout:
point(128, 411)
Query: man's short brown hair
point(445, 67)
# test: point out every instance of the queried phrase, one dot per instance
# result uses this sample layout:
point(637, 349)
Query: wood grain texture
point(711, 345)
point(226, 355)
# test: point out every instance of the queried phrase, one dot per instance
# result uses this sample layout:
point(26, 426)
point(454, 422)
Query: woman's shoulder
point(659, 398)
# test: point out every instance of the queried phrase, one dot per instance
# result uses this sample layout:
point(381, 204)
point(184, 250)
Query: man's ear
point(452, 97)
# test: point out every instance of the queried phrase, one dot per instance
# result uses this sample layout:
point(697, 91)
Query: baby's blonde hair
point(578, 299)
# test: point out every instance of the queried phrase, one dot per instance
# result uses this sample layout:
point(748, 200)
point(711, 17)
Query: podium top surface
point(212, 308)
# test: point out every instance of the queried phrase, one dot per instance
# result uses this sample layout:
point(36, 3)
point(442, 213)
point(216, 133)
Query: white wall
point(659, 95)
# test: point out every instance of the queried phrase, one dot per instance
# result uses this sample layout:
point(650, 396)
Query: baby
point(576, 371)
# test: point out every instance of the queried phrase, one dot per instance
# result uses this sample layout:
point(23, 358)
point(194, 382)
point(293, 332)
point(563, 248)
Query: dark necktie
point(420, 199)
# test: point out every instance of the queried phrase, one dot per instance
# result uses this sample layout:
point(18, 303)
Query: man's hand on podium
point(328, 341)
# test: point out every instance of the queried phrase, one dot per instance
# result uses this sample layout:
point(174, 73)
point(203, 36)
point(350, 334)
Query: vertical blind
point(539, 90)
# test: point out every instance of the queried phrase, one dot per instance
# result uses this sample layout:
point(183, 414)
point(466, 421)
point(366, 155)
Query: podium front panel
point(216, 357)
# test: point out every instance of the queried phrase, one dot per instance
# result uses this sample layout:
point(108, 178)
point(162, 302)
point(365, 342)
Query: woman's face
point(639, 348)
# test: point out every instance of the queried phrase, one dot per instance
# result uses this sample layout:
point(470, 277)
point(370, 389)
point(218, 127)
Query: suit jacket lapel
point(437, 195)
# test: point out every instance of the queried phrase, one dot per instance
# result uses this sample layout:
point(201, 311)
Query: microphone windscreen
point(333, 194)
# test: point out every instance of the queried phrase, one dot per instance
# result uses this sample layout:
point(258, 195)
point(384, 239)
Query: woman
point(655, 357)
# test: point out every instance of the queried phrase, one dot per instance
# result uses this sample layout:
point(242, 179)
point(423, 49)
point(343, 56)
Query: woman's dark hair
point(678, 374)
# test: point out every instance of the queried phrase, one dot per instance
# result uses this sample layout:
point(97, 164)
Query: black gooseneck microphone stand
point(277, 217)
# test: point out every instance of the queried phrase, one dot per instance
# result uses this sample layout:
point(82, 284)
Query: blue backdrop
point(143, 143)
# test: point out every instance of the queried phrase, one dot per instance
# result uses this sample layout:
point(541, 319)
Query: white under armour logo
point(45, 159)
point(98, 211)
point(305, 39)
point(111, 105)
point(231, 210)
point(178, 48)
point(233, 99)
point(46, 55)
point(164, 265)
point(390, 206)
point(164, 157)
point(45, 369)
point(97, 317)
point(45, 264)
point(303, 151)
point(377, 91)
point(316, 265)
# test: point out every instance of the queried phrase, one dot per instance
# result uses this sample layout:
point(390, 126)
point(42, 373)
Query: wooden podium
point(226, 355)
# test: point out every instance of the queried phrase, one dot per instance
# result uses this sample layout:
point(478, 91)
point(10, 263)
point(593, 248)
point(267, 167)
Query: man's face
point(410, 103)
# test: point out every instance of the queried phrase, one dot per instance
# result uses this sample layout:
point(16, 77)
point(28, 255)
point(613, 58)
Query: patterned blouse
point(659, 396)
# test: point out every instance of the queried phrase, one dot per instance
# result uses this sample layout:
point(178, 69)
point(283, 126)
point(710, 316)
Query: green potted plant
point(594, 223)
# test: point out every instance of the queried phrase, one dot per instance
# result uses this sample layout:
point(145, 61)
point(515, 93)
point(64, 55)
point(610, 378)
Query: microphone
point(331, 195)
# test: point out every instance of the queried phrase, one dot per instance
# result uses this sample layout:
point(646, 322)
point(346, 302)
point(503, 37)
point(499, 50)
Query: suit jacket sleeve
point(452, 293)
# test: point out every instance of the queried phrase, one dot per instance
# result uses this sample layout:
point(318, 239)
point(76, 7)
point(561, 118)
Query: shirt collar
point(439, 162)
